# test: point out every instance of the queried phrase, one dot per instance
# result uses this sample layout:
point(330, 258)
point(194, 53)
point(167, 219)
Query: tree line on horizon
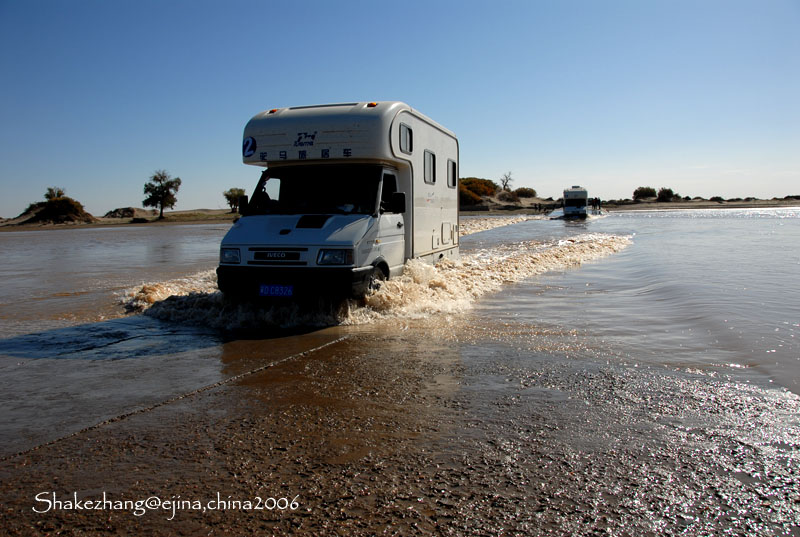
point(161, 193)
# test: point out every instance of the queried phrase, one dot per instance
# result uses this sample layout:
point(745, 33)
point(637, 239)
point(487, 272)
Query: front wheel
point(376, 280)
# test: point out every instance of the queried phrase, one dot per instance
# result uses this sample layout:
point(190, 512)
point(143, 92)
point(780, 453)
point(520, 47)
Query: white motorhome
point(576, 202)
point(350, 193)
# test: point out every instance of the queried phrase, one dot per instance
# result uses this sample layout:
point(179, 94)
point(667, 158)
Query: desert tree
point(160, 191)
point(54, 192)
point(644, 192)
point(506, 180)
point(232, 196)
point(666, 194)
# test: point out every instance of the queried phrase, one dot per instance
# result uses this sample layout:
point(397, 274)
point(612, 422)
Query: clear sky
point(702, 96)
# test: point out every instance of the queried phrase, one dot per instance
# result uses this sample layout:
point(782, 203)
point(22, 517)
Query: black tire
point(376, 279)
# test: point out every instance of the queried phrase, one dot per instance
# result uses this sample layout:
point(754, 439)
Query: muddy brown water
point(539, 406)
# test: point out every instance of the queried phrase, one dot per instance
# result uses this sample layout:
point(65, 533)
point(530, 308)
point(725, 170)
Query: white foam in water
point(469, 226)
point(422, 290)
point(141, 298)
point(451, 287)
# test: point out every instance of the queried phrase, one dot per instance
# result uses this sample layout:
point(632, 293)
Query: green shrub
point(525, 192)
point(509, 197)
point(718, 199)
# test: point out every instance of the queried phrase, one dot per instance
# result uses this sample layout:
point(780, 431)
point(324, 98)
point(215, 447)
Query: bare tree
point(506, 180)
point(161, 190)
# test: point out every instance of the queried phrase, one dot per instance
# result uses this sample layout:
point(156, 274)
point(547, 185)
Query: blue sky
point(702, 96)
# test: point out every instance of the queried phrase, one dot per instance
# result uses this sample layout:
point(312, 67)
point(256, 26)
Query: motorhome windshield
point(575, 202)
point(317, 190)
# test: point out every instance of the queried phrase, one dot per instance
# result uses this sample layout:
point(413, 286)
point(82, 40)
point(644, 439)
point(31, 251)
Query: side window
point(406, 139)
point(430, 167)
point(273, 188)
point(452, 173)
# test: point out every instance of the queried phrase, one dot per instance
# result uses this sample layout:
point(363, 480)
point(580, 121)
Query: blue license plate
point(275, 290)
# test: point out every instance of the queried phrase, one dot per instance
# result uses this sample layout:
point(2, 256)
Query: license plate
point(275, 290)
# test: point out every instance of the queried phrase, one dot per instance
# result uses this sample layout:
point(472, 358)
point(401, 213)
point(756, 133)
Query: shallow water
point(67, 276)
point(618, 365)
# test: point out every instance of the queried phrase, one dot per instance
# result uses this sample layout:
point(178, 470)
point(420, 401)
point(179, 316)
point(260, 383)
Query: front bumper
point(306, 282)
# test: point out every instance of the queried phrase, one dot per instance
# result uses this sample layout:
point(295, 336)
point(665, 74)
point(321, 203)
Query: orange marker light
point(372, 105)
point(273, 110)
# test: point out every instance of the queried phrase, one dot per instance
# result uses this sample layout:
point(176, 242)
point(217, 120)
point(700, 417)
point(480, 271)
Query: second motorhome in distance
point(576, 202)
point(350, 193)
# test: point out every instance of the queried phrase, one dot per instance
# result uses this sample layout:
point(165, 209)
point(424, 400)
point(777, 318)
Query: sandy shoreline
point(221, 216)
point(194, 216)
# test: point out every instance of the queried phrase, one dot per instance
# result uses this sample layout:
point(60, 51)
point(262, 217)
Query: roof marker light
point(372, 105)
point(273, 110)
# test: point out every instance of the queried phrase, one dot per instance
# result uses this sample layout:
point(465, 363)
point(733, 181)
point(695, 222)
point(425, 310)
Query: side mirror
point(243, 200)
point(397, 203)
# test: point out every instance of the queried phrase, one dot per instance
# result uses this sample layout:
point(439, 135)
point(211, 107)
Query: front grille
point(277, 256)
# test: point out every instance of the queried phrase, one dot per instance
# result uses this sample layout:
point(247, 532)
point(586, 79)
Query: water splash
point(468, 226)
point(453, 286)
point(422, 291)
point(139, 299)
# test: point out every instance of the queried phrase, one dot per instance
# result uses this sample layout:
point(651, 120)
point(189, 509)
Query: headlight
point(229, 255)
point(335, 257)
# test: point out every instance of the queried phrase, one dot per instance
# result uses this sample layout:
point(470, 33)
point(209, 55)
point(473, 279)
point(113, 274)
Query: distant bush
point(718, 199)
point(735, 199)
point(467, 197)
point(60, 210)
point(481, 187)
point(792, 198)
point(644, 192)
point(687, 198)
point(525, 192)
point(665, 194)
point(507, 196)
point(698, 198)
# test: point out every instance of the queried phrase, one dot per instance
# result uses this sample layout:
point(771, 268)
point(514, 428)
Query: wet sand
point(384, 432)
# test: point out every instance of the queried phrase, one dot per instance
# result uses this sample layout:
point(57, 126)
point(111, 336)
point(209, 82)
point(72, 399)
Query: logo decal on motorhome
point(305, 139)
point(249, 146)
